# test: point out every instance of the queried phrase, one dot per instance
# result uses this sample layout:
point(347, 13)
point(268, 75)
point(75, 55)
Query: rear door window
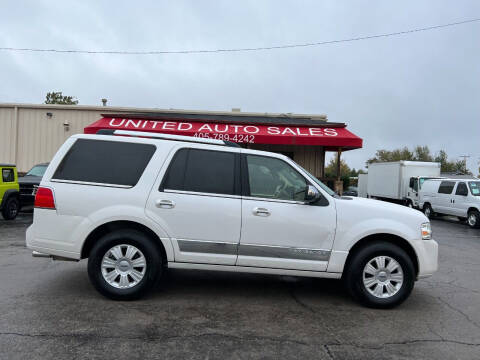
point(105, 162)
point(203, 171)
point(446, 187)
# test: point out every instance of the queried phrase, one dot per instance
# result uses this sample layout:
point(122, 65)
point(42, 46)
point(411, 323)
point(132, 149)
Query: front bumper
point(427, 255)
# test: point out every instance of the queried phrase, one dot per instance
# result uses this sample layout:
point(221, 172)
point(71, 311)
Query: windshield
point(321, 184)
point(37, 170)
point(474, 187)
point(422, 180)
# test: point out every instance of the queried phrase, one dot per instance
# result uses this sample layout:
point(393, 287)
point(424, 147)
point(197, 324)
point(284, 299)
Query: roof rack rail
point(167, 137)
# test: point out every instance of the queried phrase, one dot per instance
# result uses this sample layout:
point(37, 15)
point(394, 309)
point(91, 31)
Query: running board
point(38, 254)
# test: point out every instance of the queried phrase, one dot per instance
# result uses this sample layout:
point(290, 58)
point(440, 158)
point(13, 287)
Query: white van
point(457, 197)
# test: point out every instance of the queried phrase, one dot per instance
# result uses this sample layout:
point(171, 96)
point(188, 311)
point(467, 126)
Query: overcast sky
point(421, 88)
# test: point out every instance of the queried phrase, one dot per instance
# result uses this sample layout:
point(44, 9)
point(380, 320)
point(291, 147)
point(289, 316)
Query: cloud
point(414, 89)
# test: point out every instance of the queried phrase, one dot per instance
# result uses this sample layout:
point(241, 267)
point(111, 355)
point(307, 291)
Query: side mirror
point(312, 194)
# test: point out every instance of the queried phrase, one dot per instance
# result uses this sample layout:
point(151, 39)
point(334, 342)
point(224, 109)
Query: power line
point(263, 48)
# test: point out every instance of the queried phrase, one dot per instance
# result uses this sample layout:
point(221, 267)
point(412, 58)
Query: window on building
point(105, 162)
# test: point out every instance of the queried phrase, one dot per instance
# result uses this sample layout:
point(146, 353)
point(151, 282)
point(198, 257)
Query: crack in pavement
point(313, 311)
point(244, 338)
point(406, 342)
point(327, 350)
point(155, 338)
point(470, 320)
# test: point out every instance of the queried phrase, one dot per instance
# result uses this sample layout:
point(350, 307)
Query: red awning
point(330, 137)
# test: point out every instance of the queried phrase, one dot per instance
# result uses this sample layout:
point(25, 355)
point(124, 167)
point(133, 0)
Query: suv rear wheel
point(380, 275)
point(11, 208)
point(124, 265)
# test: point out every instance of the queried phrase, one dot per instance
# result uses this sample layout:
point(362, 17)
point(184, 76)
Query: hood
point(380, 209)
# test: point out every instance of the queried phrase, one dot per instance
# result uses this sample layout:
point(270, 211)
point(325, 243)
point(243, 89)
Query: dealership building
point(31, 134)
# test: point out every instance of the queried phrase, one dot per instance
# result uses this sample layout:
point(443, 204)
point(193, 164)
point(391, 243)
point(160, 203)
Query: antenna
point(465, 157)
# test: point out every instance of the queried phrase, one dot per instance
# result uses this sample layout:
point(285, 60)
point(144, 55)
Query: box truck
point(362, 185)
point(399, 181)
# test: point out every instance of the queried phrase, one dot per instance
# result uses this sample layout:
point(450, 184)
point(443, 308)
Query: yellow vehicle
point(9, 191)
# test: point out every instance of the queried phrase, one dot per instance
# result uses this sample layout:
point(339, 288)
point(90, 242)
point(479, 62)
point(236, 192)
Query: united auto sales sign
point(239, 133)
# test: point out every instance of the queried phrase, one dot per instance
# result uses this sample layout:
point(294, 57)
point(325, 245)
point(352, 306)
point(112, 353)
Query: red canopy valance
point(330, 137)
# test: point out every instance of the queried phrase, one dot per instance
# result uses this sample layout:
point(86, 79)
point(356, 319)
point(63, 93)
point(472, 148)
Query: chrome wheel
point(123, 266)
point(472, 219)
point(383, 277)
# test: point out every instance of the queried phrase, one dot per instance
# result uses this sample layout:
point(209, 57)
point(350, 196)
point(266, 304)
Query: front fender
point(7, 194)
point(348, 235)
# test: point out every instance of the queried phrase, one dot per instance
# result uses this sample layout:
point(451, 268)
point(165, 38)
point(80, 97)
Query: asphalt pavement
point(49, 310)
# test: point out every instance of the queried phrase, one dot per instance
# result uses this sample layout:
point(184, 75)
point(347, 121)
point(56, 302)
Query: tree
point(345, 172)
point(331, 168)
point(57, 98)
point(458, 166)
point(391, 155)
point(420, 153)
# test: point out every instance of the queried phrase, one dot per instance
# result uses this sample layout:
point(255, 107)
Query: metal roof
point(231, 118)
point(124, 109)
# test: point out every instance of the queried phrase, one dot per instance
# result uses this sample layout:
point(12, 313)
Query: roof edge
point(108, 109)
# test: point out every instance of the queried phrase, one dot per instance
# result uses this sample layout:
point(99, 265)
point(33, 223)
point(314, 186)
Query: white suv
point(137, 204)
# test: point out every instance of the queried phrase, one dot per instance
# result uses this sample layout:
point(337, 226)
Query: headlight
point(426, 231)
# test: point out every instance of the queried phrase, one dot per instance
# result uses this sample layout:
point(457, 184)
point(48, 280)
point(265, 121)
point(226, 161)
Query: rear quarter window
point(105, 162)
point(446, 187)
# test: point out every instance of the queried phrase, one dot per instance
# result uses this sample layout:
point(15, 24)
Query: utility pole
point(465, 157)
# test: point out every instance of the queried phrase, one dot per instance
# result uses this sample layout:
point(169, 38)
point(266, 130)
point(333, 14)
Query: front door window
point(272, 178)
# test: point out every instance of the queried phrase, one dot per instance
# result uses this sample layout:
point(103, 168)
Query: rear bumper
point(45, 247)
point(48, 256)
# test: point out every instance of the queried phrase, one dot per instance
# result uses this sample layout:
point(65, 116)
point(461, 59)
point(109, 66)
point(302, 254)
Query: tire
point(401, 279)
point(473, 219)
point(11, 208)
point(462, 219)
point(130, 282)
point(428, 211)
point(409, 204)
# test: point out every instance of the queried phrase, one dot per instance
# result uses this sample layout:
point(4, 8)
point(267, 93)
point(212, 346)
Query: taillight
point(44, 198)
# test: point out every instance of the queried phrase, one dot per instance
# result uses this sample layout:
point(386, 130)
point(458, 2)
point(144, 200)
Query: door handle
point(164, 204)
point(259, 211)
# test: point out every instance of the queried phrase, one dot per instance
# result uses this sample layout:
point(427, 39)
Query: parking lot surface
point(49, 310)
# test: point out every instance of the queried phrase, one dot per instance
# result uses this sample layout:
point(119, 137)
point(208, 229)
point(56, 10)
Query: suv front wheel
point(124, 265)
point(380, 275)
point(10, 208)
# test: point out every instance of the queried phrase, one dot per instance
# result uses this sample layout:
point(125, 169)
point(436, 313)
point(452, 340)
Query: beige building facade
point(32, 133)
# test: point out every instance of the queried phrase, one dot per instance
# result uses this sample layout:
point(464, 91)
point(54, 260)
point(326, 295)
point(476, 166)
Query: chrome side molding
point(38, 254)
